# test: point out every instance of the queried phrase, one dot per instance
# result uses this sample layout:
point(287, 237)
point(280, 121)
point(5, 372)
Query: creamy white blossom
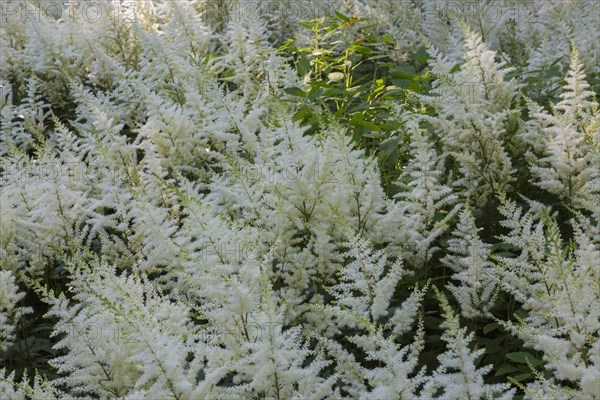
point(175, 224)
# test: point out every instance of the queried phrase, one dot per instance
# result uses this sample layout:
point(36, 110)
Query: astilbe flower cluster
point(209, 247)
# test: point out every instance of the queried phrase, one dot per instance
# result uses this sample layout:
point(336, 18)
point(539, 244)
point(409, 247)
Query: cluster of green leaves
point(351, 77)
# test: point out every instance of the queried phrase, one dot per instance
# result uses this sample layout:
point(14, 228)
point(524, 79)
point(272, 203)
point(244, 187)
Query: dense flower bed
point(324, 199)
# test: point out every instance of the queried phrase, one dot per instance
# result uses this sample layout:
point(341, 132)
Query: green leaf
point(302, 113)
point(432, 322)
point(358, 107)
point(303, 66)
point(522, 357)
point(362, 49)
point(389, 147)
point(524, 376)
point(295, 91)
point(421, 55)
point(287, 45)
point(390, 126)
point(490, 327)
point(306, 24)
point(408, 84)
point(521, 314)
point(335, 93)
point(506, 369)
point(492, 345)
point(403, 72)
point(342, 16)
point(315, 93)
point(503, 245)
point(357, 120)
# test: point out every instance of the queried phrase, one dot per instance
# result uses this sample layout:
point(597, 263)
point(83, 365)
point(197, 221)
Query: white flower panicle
point(458, 377)
point(10, 311)
point(559, 289)
point(475, 289)
point(175, 225)
point(473, 106)
point(566, 142)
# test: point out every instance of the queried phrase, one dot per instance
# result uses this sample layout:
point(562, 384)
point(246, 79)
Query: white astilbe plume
point(472, 108)
point(295, 190)
point(442, 20)
point(266, 358)
point(121, 337)
point(362, 303)
point(365, 292)
point(424, 203)
point(172, 130)
point(565, 143)
point(457, 377)
point(575, 104)
point(185, 29)
point(397, 375)
point(548, 32)
point(250, 59)
point(10, 311)
point(11, 389)
point(548, 388)
point(559, 287)
point(45, 208)
point(475, 287)
point(23, 123)
point(60, 197)
point(246, 321)
point(589, 198)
